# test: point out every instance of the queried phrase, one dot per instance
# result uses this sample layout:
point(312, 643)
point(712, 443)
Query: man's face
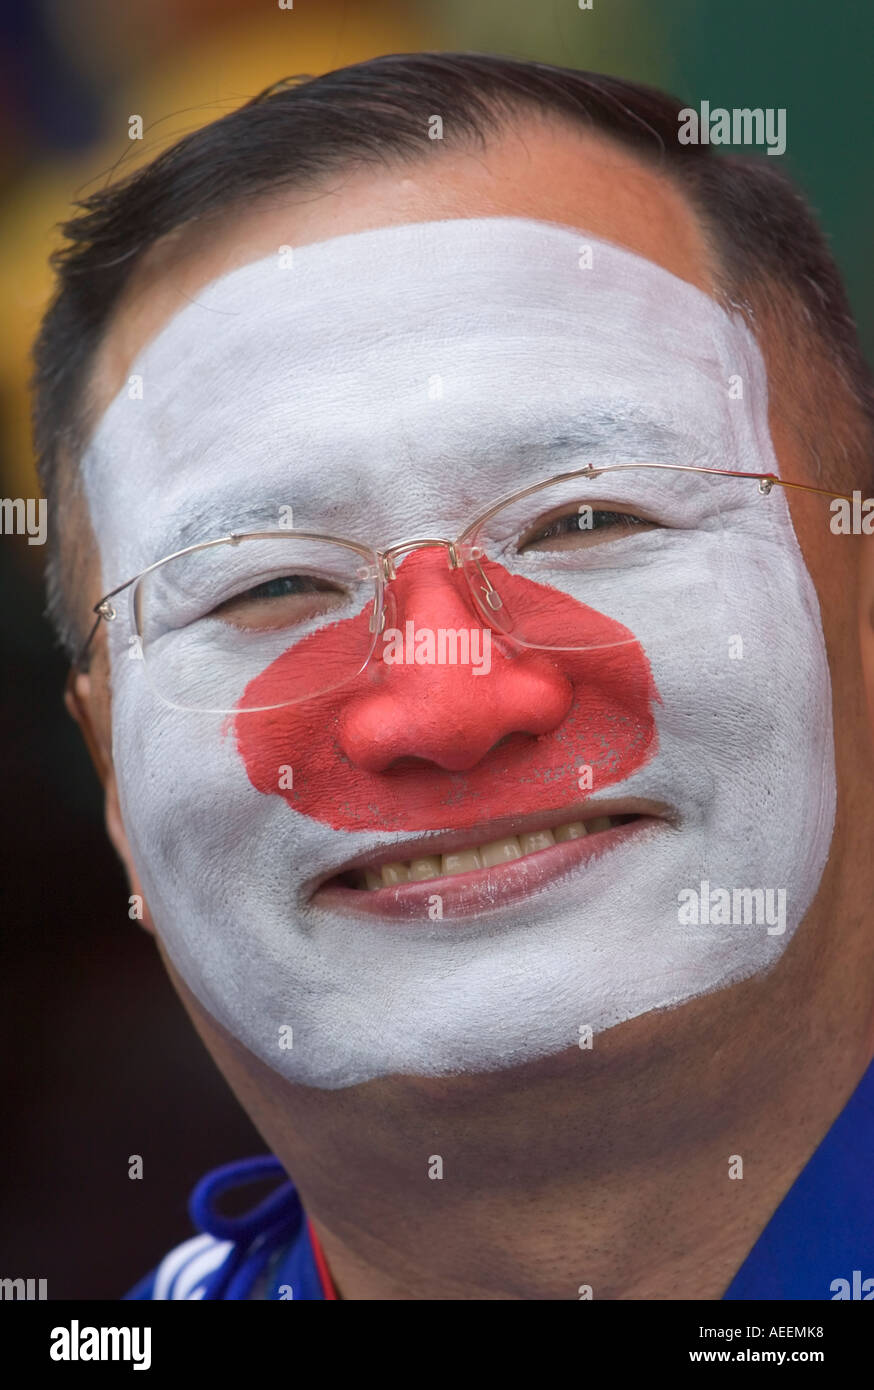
point(309, 386)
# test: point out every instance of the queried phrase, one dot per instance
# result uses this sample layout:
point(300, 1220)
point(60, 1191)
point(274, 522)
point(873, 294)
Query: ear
point(87, 701)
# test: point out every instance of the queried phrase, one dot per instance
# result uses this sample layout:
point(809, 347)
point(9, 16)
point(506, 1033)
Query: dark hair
point(774, 261)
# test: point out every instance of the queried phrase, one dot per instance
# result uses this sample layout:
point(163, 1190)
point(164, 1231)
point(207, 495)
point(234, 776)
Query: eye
point(287, 600)
point(582, 526)
point(283, 586)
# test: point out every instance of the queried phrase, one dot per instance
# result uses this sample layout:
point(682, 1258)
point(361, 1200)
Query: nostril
point(518, 738)
point(410, 760)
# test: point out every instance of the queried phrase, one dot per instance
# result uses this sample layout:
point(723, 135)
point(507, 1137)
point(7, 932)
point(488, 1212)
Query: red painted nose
point(409, 747)
point(442, 713)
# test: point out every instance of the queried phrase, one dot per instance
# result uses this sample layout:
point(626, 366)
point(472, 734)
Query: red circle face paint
point(426, 747)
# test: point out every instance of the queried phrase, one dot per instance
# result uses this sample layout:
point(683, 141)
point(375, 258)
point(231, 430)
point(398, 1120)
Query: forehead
point(535, 169)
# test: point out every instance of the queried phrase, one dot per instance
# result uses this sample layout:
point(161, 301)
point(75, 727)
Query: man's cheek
point(180, 794)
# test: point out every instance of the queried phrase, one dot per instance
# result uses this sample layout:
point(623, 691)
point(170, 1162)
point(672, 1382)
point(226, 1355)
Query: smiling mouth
point(471, 858)
point(473, 872)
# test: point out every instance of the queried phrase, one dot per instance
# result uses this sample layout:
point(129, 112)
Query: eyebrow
point(563, 446)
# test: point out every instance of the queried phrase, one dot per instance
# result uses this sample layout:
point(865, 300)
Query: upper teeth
point(461, 861)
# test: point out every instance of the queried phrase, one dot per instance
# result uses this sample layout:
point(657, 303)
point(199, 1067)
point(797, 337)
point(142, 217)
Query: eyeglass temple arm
point(806, 487)
point(105, 611)
point(770, 478)
point(79, 662)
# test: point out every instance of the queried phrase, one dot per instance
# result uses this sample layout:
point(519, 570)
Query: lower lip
point(481, 890)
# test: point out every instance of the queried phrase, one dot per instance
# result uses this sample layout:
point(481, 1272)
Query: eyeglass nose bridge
point(387, 557)
point(490, 596)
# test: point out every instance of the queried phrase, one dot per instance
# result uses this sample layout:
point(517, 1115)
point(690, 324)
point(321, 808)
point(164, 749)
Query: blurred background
point(99, 1060)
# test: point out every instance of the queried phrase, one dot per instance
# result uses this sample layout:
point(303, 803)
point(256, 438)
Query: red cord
point(328, 1290)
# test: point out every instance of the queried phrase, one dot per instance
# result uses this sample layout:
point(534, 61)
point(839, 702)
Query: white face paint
point(310, 387)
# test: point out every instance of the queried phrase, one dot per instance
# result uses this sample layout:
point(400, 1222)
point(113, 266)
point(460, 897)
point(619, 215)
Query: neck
point(608, 1169)
point(631, 1200)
